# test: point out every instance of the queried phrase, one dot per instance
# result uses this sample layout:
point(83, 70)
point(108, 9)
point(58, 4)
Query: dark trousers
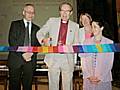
point(22, 75)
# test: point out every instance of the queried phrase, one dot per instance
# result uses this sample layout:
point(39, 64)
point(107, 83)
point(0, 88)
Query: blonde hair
point(86, 14)
point(67, 3)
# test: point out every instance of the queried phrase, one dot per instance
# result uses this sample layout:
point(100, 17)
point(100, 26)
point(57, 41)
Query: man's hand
point(27, 56)
point(93, 79)
point(46, 41)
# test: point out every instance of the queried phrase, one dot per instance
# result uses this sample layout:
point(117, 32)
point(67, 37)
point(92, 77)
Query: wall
point(12, 10)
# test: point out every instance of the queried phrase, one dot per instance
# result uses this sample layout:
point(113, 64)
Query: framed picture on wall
point(118, 12)
point(118, 17)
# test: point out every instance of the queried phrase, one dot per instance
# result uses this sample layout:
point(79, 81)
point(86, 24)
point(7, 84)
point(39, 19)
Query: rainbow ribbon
point(97, 48)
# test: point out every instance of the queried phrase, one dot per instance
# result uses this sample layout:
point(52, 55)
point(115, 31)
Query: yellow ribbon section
point(45, 49)
point(99, 47)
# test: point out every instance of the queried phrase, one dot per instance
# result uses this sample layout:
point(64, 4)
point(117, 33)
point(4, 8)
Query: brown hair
point(29, 4)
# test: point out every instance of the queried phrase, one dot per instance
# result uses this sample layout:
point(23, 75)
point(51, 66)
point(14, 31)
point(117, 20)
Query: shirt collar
point(25, 21)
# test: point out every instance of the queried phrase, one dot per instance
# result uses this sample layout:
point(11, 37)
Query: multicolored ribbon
point(97, 48)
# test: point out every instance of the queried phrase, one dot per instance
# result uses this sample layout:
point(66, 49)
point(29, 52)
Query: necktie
point(27, 39)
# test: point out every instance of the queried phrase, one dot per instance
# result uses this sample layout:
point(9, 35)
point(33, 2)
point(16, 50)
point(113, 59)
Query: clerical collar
point(64, 21)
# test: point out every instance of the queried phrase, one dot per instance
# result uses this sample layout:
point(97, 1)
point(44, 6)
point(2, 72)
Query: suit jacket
point(16, 38)
point(52, 27)
point(104, 62)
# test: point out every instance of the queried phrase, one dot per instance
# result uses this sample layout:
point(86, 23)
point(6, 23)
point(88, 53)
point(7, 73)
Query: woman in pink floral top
point(86, 28)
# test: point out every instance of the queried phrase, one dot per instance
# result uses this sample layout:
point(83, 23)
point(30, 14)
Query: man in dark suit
point(22, 64)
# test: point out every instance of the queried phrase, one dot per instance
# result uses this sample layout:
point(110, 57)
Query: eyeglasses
point(66, 11)
point(30, 12)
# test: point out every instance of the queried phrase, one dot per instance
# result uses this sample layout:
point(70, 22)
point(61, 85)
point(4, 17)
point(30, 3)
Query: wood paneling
point(118, 5)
